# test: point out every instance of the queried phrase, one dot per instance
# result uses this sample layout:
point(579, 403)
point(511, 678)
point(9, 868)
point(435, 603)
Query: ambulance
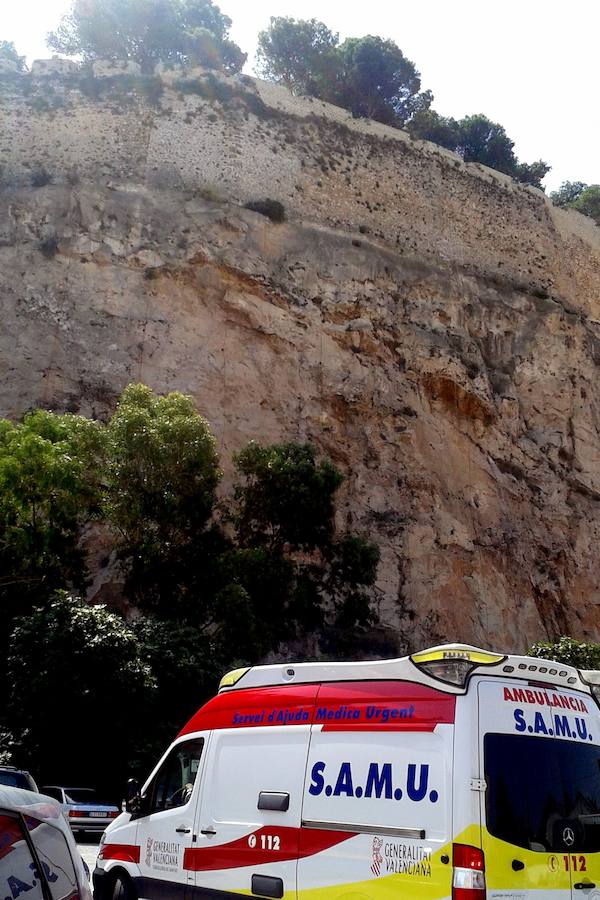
point(451, 773)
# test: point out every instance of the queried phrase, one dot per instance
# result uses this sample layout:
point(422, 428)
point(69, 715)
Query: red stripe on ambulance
point(382, 706)
point(123, 852)
point(337, 706)
point(266, 845)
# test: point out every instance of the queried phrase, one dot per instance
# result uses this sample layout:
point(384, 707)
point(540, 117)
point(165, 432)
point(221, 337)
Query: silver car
point(81, 807)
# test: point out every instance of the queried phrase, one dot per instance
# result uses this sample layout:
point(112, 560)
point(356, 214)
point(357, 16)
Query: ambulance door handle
point(207, 831)
point(517, 865)
point(183, 830)
point(584, 886)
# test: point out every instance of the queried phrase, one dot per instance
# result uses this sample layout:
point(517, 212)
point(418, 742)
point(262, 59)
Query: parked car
point(38, 853)
point(19, 778)
point(82, 809)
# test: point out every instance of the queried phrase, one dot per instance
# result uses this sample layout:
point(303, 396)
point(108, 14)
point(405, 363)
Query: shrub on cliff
point(272, 209)
point(149, 31)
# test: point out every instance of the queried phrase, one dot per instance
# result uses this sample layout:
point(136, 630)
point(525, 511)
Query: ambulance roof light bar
point(453, 663)
point(449, 665)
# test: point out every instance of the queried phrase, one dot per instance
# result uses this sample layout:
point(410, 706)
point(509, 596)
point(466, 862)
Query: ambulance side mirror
point(133, 803)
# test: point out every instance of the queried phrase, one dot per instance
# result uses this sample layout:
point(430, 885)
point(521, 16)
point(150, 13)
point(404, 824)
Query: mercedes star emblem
point(569, 837)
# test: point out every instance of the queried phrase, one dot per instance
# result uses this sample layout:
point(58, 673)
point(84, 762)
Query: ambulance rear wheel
point(122, 889)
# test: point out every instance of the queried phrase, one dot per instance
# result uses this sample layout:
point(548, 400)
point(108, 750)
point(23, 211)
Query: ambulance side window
point(18, 871)
point(173, 784)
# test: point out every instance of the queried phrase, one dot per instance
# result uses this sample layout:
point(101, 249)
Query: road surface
point(88, 847)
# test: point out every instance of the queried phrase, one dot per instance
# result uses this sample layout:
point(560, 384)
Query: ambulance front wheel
point(122, 889)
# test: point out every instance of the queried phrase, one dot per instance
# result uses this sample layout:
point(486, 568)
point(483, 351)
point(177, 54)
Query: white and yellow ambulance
point(452, 773)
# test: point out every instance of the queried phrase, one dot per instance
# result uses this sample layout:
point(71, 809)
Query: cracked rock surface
point(463, 412)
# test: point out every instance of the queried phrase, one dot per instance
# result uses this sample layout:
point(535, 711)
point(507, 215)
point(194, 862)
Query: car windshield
point(543, 794)
point(80, 795)
point(15, 779)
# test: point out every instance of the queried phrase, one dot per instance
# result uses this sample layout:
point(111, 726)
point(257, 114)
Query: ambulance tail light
point(454, 663)
point(468, 873)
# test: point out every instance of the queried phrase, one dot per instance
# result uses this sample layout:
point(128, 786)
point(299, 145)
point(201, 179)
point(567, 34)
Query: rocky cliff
point(433, 327)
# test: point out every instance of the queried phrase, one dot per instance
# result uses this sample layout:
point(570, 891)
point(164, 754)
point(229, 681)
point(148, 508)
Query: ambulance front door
point(165, 831)
point(248, 823)
point(541, 804)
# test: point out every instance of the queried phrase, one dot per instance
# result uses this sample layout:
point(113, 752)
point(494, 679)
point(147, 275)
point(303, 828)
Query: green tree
point(284, 497)
point(161, 480)
point(283, 508)
point(588, 202)
point(68, 664)
point(300, 54)
point(369, 76)
point(532, 173)
point(427, 125)
point(49, 487)
point(8, 52)
point(477, 139)
point(581, 654)
point(486, 142)
point(148, 32)
point(379, 82)
point(567, 193)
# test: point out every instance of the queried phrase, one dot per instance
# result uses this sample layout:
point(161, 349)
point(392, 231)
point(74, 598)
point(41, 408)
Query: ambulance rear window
point(543, 794)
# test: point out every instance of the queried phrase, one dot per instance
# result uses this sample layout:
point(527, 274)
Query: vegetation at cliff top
point(8, 52)
point(215, 582)
point(193, 32)
point(477, 139)
point(582, 197)
point(369, 76)
point(372, 78)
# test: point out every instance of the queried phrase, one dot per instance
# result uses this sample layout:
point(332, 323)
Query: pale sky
point(531, 65)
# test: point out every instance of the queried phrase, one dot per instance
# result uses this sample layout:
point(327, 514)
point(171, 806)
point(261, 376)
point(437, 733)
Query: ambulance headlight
point(453, 663)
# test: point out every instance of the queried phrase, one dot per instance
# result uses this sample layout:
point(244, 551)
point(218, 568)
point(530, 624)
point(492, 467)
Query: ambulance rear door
point(377, 810)
point(540, 759)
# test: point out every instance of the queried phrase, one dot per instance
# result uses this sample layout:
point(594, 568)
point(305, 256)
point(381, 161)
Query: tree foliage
point(8, 52)
point(567, 193)
point(148, 32)
point(48, 488)
point(369, 76)
point(477, 139)
point(580, 196)
point(301, 55)
point(68, 664)
point(379, 82)
point(581, 654)
point(215, 583)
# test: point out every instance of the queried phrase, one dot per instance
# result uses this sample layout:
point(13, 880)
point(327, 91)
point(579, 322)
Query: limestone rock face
point(431, 327)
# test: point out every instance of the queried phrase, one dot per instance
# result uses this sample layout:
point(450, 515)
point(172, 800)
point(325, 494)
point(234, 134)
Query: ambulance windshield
point(542, 793)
